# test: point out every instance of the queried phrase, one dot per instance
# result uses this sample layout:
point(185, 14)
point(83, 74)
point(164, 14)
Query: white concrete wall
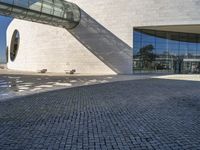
point(42, 46)
point(52, 48)
point(120, 16)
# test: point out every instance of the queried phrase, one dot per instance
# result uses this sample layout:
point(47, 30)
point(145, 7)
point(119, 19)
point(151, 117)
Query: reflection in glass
point(161, 51)
point(53, 12)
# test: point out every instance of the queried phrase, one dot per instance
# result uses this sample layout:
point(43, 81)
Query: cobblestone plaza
point(140, 114)
point(100, 75)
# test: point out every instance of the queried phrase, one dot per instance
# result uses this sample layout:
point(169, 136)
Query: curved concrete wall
point(102, 43)
point(47, 47)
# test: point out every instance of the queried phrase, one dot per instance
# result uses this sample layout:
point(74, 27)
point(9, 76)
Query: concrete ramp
point(115, 53)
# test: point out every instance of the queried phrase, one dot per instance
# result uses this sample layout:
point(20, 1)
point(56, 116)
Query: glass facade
point(52, 12)
point(161, 51)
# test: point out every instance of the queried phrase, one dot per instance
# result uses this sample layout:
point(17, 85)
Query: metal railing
point(52, 12)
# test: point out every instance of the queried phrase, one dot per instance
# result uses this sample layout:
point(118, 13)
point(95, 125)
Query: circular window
point(14, 45)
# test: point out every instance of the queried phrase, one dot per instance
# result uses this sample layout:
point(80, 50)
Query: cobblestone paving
point(141, 114)
point(12, 85)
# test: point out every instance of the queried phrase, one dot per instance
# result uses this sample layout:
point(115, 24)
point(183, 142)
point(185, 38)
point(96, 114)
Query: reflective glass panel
point(162, 51)
point(53, 12)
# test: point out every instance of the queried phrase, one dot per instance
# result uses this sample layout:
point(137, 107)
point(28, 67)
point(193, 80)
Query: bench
point(70, 71)
point(2, 67)
point(42, 71)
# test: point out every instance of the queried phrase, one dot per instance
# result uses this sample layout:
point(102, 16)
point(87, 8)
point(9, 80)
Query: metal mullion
point(25, 16)
point(53, 11)
point(61, 17)
point(41, 8)
point(11, 11)
point(64, 12)
point(196, 45)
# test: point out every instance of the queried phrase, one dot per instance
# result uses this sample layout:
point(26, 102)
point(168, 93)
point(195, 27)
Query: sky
point(4, 22)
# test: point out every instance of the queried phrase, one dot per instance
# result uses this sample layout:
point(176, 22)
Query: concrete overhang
point(175, 28)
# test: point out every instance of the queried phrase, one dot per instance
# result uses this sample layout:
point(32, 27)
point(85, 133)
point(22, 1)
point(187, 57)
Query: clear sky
point(4, 22)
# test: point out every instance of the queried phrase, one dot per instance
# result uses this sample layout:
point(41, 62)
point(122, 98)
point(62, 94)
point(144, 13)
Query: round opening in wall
point(14, 45)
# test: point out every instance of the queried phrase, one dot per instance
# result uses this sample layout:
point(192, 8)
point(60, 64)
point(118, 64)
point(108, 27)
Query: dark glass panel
point(161, 46)
point(192, 47)
point(136, 39)
point(146, 43)
point(161, 52)
point(173, 36)
point(136, 51)
point(173, 47)
point(183, 37)
point(137, 44)
point(198, 46)
point(191, 54)
point(184, 46)
point(148, 38)
point(192, 38)
point(166, 51)
point(161, 37)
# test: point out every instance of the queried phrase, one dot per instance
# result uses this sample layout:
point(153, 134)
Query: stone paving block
point(142, 114)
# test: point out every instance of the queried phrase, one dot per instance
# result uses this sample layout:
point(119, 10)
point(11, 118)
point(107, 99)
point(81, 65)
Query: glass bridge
point(52, 12)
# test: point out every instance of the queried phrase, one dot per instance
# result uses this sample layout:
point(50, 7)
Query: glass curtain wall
point(161, 51)
point(53, 12)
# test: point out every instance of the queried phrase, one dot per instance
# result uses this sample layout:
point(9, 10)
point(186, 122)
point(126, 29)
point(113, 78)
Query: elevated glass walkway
point(53, 12)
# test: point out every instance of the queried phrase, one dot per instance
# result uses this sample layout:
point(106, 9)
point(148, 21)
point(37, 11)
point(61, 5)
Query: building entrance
point(163, 51)
point(191, 66)
point(178, 65)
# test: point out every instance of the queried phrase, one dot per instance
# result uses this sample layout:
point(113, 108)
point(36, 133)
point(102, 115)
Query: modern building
point(104, 37)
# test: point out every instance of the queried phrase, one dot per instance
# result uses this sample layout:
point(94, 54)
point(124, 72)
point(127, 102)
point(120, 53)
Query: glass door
point(191, 67)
